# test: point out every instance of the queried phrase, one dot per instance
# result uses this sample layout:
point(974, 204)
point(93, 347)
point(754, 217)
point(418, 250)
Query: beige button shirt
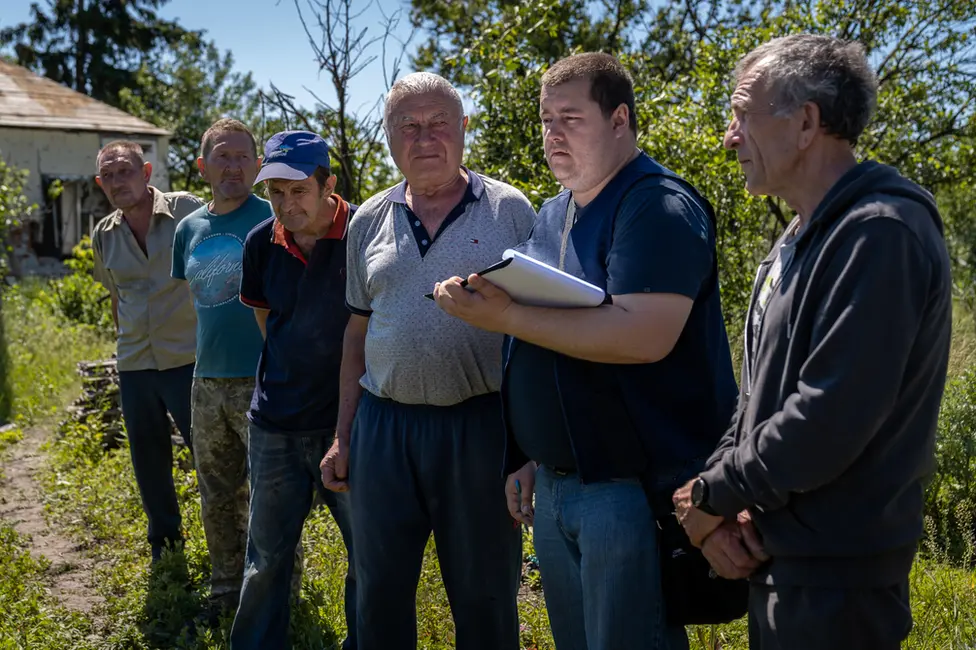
point(157, 324)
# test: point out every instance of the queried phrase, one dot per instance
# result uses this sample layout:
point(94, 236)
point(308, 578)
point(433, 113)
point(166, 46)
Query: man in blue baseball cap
point(294, 278)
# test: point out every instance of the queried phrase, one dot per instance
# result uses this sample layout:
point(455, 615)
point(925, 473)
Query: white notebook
point(531, 282)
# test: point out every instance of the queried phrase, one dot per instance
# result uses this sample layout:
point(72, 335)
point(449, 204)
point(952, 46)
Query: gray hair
point(128, 147)
point(419, 83)
point(832, 73)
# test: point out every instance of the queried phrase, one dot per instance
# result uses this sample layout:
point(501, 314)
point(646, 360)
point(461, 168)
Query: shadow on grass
point(175, 614)
point(171, 604)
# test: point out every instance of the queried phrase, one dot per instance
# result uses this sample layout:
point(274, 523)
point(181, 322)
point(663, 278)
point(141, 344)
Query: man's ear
point(147, 171)
point(202, 167)
point(98, 181)
point(810, 124)
point(621, 118)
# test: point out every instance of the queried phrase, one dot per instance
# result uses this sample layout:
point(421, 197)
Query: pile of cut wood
point(100, 402)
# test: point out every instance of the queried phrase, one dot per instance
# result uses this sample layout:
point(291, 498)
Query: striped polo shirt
point(415, 353)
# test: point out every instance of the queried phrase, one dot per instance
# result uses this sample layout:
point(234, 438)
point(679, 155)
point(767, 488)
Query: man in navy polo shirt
point(295, 279)
point(617, 403)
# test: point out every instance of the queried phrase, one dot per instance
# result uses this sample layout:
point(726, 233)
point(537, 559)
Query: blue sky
point(267, 39)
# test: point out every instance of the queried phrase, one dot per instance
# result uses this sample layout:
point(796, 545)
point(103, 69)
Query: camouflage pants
point(219, 429)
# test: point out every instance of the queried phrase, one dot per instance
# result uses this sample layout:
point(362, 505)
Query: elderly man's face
point(297, 204)
point(123, 178)
point(766, 145)
point(426, 136)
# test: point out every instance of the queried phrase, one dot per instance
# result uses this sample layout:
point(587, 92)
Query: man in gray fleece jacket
point(815, 492)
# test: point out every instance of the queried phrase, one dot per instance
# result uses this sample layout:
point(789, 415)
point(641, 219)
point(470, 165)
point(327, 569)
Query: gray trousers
point(414, 470)
point(827, 618)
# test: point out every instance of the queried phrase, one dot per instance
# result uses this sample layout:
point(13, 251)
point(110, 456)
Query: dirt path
point(70, 572)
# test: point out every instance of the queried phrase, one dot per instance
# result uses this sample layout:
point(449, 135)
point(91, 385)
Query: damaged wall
point(70, 156)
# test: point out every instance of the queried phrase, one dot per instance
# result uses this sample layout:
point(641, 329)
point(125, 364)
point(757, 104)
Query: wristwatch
point(699, 496)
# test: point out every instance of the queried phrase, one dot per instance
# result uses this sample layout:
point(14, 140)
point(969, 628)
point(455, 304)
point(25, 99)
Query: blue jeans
point(284, 473)
point(598, 555)
point(146, 396)
point(414, 469)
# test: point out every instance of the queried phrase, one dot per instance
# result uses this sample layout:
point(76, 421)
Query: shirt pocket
point(128, 272)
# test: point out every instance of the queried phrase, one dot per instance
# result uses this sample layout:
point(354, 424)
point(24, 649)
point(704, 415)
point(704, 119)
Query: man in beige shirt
point(154, 321)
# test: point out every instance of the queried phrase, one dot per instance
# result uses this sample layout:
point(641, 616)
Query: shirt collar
point(160, 206)
point(476, 187)
point(284, 237)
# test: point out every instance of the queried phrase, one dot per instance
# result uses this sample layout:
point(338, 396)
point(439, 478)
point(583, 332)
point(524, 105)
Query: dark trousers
point(146, 397)
point(284, 475)
point(828, 618)
point(417, 469)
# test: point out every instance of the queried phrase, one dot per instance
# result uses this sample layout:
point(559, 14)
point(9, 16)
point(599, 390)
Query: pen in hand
point(430, 296)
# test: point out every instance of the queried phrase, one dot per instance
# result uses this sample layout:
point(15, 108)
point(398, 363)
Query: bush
point(78, 297)
point(43, 350)
point(950, 501)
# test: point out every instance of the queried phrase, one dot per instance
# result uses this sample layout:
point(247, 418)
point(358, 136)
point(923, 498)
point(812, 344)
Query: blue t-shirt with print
point(208, 252)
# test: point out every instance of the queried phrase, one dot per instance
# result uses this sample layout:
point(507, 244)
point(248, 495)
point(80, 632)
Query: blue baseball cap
point(293, 156)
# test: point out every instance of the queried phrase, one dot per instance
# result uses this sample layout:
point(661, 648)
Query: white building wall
point(59, 153)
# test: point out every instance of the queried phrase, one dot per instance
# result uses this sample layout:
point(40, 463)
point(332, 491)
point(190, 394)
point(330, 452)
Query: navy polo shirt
point(644, 233)
point(297, 384)
point(661, 245)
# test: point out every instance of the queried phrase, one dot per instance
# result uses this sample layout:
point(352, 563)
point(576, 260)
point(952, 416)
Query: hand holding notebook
point(534, 283)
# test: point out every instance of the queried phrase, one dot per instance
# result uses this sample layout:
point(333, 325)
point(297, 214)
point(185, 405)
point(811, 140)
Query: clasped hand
point(733, 548)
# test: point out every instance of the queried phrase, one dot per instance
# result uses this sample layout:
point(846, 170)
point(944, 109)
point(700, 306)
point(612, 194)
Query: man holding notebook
point(607, 407)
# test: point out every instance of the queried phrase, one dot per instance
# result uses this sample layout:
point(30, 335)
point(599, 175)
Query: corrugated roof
point(31, 101)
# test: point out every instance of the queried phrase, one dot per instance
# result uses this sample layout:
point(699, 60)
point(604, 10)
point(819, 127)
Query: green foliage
point(77, 297)
point(956, 205)
point(951, 496)
point(43, 349)
point(455, 26)
point(13, 208)
point(185, 87)
point(93, 46)
point(681, 56)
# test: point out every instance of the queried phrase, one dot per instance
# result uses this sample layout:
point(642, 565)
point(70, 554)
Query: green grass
point(29, 617)
point(92, 497)
point(42, 351)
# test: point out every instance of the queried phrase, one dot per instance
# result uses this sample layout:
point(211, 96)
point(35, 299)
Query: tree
point(93, 46)
point(454, 26)
point(681, 55)
point(341, 49)
point(185, 88)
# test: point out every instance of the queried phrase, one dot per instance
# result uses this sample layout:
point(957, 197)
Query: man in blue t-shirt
point(207, 252)
point(608, 407)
